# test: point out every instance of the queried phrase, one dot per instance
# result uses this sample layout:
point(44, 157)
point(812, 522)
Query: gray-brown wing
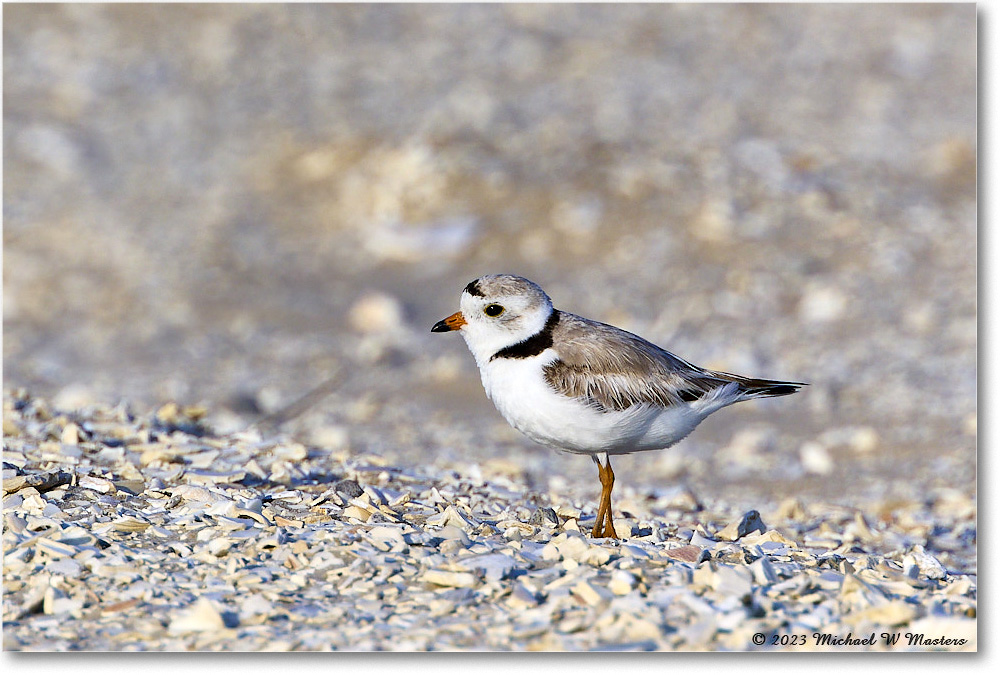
point(613, 369)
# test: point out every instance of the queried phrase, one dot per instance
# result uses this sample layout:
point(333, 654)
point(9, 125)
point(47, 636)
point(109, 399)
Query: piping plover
point(584, 386)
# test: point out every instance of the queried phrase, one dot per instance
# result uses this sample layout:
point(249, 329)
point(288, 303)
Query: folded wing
point(612, 369)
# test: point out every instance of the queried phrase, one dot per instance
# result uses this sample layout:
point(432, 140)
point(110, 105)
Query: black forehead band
point(473, 289)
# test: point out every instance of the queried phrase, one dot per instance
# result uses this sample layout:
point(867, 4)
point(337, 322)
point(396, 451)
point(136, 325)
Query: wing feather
point(612, 369)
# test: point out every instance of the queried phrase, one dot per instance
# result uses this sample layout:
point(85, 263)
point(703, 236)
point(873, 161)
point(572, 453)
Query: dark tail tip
point(765, 388)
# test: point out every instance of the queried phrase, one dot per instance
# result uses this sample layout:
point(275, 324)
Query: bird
point(583, 386)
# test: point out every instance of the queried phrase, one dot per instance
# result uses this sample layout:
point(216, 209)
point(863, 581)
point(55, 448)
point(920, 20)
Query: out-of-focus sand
point(228, 204)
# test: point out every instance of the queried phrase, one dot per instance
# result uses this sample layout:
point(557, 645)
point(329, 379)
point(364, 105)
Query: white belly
point(519, 391)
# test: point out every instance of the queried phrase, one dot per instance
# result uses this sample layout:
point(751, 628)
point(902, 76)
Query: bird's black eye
point(493, 310)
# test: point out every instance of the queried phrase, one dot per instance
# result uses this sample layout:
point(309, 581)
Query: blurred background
point(232, 205)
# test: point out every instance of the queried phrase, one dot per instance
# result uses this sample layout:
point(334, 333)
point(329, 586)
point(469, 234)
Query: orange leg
point(604, 526)
point(609, 527)
point(602, 507)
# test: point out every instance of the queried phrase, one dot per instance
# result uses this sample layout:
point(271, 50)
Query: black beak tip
point(440, 327)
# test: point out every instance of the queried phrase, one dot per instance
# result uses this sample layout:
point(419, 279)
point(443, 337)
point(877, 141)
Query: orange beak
point(453, 322)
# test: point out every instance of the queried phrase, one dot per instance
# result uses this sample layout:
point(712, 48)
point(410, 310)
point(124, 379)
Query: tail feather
point(755, 388)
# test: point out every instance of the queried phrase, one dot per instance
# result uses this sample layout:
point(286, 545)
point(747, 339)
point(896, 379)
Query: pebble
point(544, 516)
point(39, 481)
point(354, 511)
point(749, 522)
point(202, 616)
point(735, 581)
point(495, 566)
point(448, 578)
point(96, 484)
point(822, 304)
point(376, 313)
point(686, 553)
point(451, 516)
point(73, 397)
point(764, 573)
point(591, 594)
point(70, 434)
point(864, 440)
point(816, 458)
point(622, 582)
point(56, 549)
point(918, 562)
point(349, 488)
point(388, 539)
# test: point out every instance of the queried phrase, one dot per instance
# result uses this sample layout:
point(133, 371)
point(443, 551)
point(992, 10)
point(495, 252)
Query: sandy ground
point(231, 206)
point(146, 531)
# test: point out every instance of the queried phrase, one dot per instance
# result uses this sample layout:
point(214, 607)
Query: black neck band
point(534, 345)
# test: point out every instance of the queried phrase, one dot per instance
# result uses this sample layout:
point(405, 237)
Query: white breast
point(518, 389)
